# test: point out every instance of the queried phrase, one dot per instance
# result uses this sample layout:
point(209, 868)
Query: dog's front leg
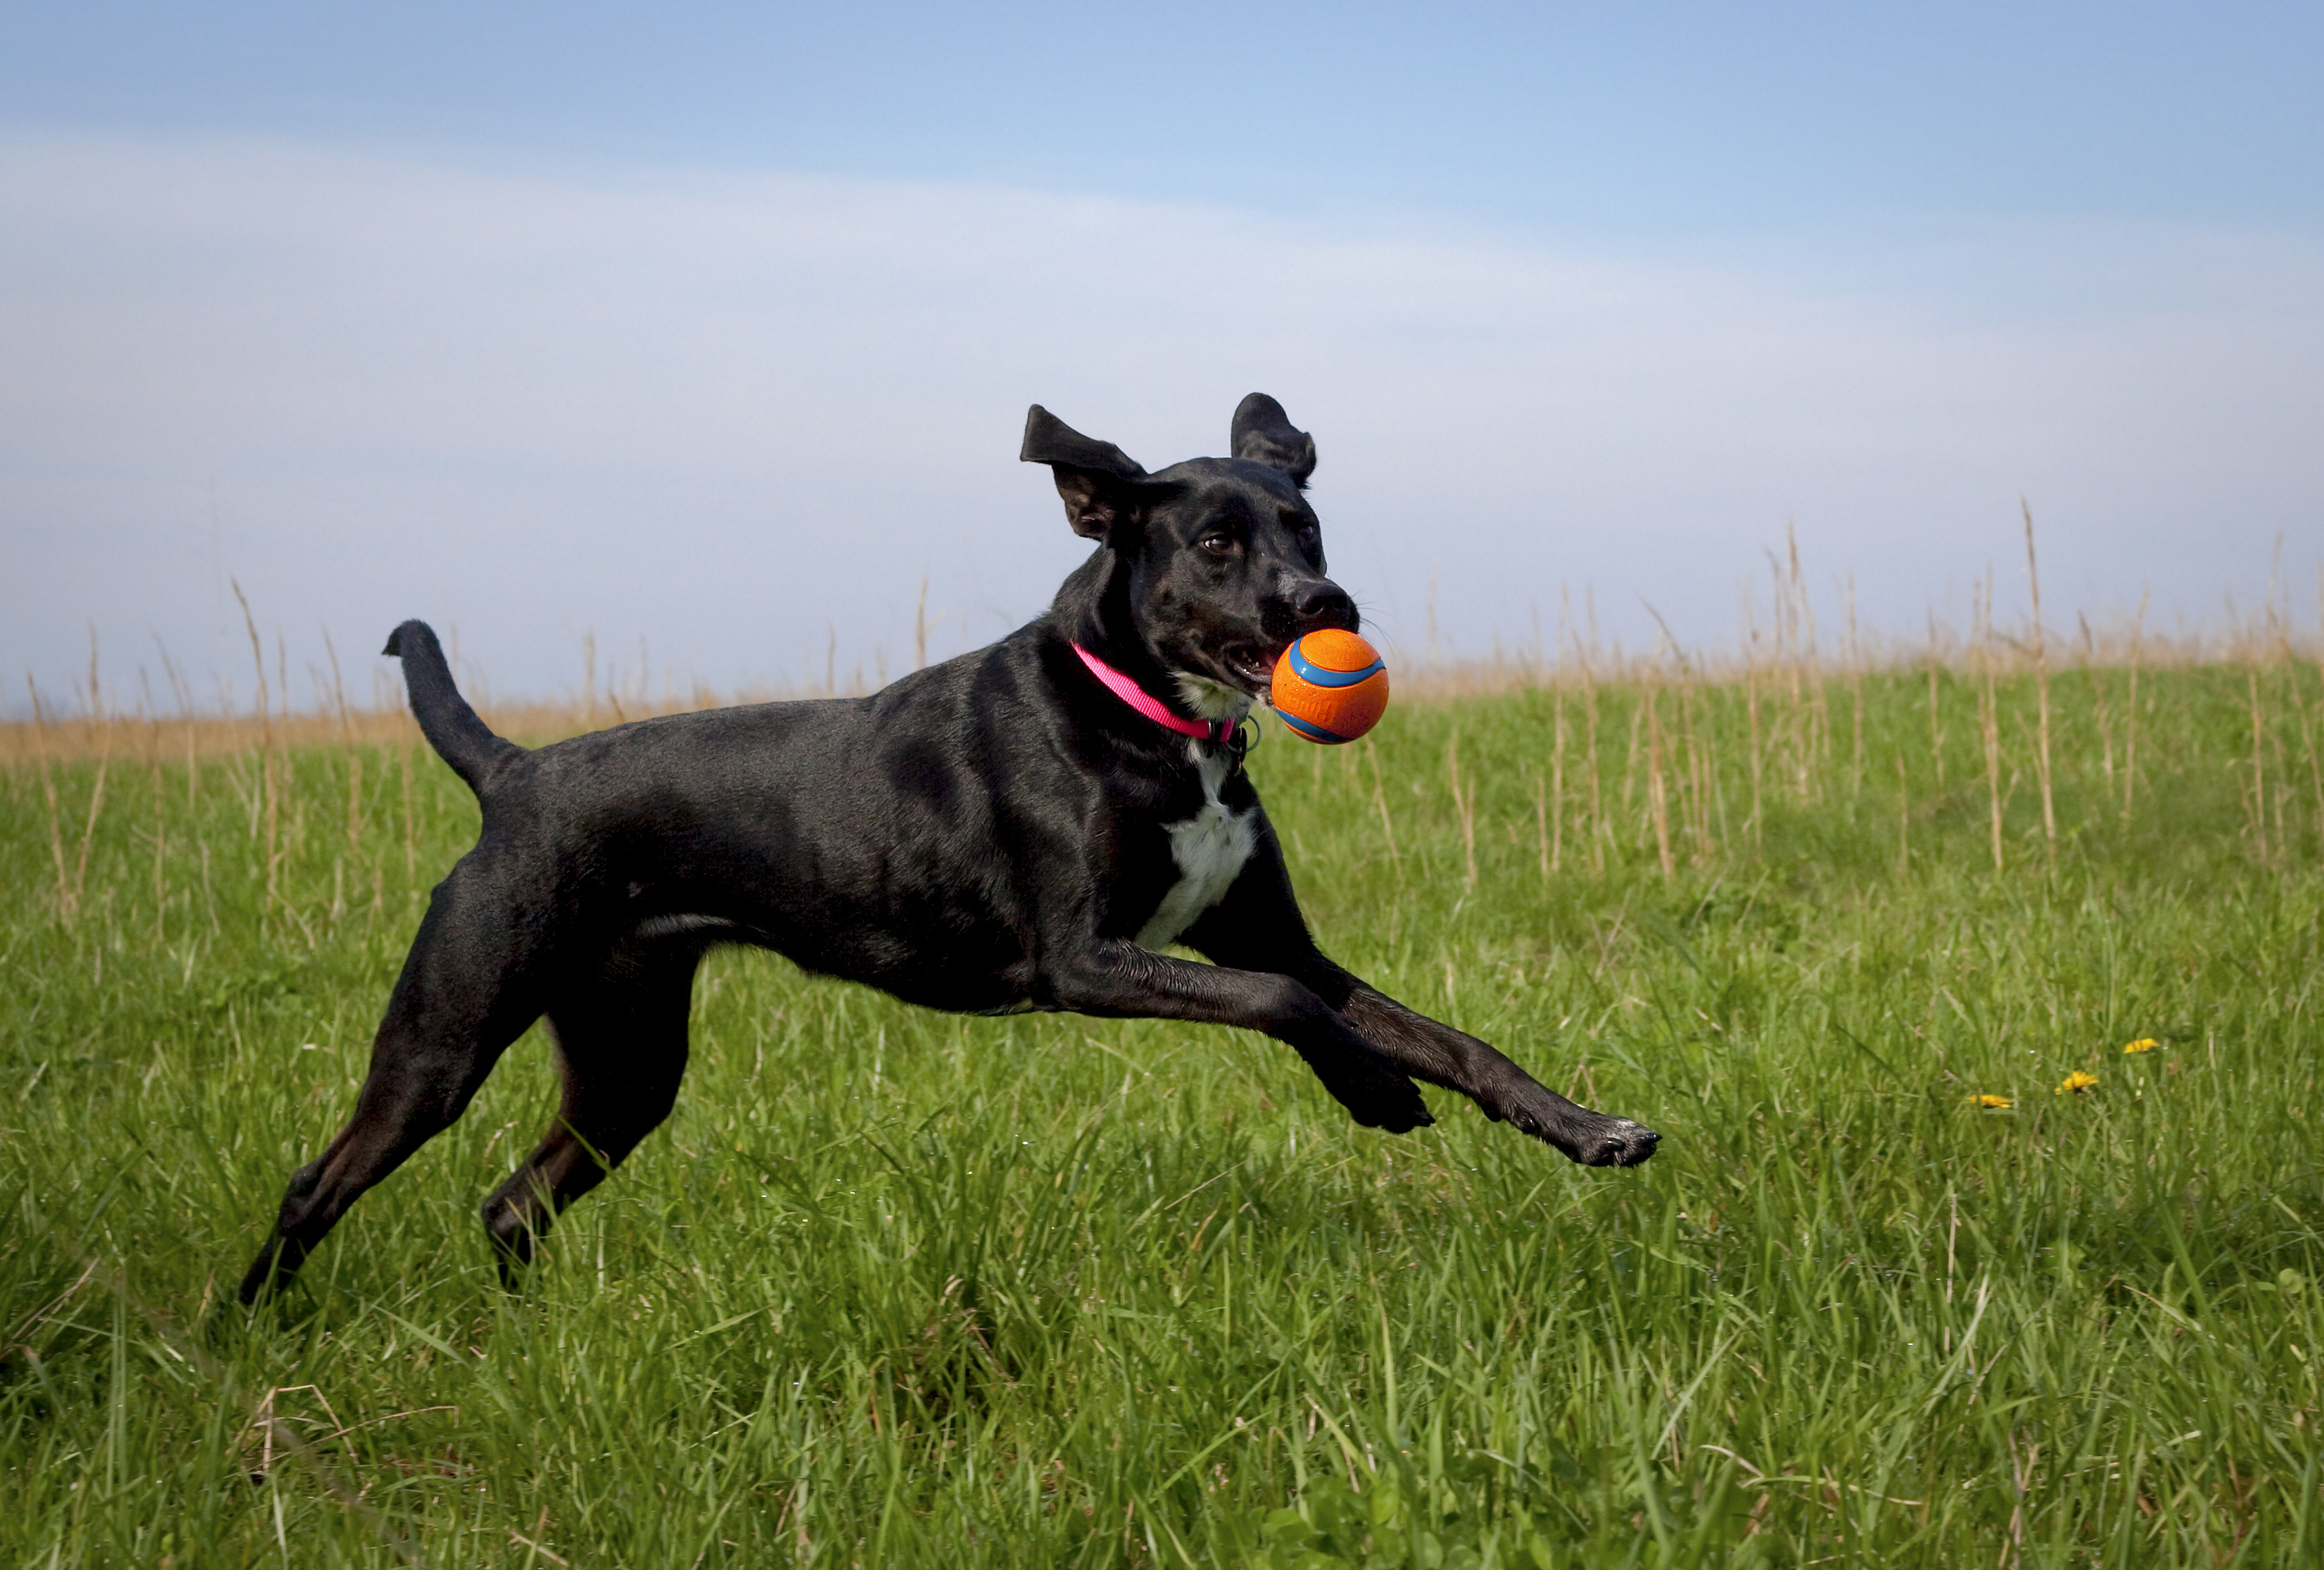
point(1258, 925)
point(1120, 980)
point(1505, 1092)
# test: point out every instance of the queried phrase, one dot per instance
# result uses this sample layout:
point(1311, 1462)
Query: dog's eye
point(1219, 543)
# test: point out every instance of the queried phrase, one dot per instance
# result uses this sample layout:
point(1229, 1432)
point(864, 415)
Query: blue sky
point(707, 329)
point(1667, 119)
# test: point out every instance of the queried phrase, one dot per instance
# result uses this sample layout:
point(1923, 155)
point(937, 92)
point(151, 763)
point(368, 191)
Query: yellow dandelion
point(2077, 1081)
point(1999, 1103)
point(2143, 1044)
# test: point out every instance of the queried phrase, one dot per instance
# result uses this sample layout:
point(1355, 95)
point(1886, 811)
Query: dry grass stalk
point(354, 755)
point(1989, 716)
point(1694, 795)
point(1856, 692)
point(1936, 730)
point(1379, 801)
point(89, 830)
point(2307, 731)
point(72, 882)
point(1699, 774)
point(2258, 763)
point(1904, 820)
point(1787, 664)
point(2130, 719)
point(1597, 793)
point(350, 751)
point(160, 828)
point(269, 802)
point(2310, 728)
point(410, 824)
point(1815, 720)
point(1557, 787)
point(185, 701)
point(2280, 655)
point(1464, 803)
point(1751, 710)
point(1658, 799)
point(66, 904)
point(2098, 700)
point(1717, 807)
point(1541, 825)
point(2042, 686)
point(1787, 671)
point(1630, 756)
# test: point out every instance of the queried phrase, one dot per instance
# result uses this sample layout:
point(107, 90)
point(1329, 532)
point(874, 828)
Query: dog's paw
point(1591, 1138)
point(1621, 1143)
point(1381, 1098)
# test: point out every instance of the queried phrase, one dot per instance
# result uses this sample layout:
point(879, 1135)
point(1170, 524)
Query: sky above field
point(708, 331)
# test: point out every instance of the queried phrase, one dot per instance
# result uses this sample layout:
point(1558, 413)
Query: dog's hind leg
point(621, 1045)
point(467, 990)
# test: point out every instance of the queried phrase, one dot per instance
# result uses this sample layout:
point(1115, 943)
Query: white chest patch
point(1210, 849)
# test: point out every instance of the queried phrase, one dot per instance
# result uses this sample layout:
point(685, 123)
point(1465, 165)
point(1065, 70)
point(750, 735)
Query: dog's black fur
point(996, 833)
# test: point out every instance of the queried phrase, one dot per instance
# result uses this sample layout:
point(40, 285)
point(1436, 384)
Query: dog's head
point(1219, 562)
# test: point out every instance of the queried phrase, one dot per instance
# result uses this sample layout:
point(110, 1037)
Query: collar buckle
point(1236, 742)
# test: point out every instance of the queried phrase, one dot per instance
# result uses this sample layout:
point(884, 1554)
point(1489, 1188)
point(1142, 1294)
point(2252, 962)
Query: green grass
point(893, 1287)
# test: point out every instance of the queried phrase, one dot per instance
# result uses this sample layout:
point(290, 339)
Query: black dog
point(1020, 828)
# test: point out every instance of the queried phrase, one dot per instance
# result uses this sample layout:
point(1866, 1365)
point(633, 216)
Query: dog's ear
point(1094, 477)
point(1262, 433)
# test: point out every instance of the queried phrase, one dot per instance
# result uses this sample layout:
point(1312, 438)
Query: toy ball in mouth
point(1331, 686)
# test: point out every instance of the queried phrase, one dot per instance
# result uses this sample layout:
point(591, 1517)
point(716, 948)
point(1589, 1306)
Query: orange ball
point(1331, 686)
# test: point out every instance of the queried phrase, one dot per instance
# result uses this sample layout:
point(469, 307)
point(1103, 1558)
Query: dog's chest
point(1209, 850)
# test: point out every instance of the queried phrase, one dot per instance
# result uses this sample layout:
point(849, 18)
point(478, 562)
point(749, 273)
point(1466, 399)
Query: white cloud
point(728, 412)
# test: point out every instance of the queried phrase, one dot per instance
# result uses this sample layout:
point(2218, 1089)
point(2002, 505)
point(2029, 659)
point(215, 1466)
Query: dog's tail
point(460, 737)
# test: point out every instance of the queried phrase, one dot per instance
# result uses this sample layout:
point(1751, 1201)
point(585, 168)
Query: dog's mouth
point(1251, 666)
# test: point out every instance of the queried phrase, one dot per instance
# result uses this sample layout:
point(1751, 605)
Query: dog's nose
point(1323, 604)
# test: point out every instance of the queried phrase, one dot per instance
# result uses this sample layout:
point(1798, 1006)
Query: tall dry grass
point(1674, 754)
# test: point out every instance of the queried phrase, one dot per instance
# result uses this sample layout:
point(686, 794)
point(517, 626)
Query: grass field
point(899, 1288)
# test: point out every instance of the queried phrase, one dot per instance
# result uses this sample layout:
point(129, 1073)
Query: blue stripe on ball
point(1309, 728)
point(1306, 670)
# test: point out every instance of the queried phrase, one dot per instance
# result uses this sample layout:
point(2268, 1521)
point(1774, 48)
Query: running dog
point(1027, 827)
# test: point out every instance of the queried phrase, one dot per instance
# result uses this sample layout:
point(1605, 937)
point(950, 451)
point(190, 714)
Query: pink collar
point(1216, 732)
